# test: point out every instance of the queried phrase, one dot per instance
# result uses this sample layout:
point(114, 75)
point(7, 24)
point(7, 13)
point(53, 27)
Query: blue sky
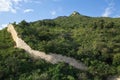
point(32, 10)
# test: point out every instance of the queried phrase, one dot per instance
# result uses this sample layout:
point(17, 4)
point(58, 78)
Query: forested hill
point(95, 41)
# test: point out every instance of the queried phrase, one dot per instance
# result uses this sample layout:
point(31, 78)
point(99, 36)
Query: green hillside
point(95, 41)
point(16, 64)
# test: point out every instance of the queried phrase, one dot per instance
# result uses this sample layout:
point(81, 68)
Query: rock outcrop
point(52, 58)
point(75, 13)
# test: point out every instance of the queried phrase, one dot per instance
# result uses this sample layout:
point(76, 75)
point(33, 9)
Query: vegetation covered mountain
point(93, 40)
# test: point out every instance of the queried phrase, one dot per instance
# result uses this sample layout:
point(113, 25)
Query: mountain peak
point(75, 13)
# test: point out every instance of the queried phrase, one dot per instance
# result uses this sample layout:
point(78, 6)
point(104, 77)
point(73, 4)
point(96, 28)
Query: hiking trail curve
point(52, 58)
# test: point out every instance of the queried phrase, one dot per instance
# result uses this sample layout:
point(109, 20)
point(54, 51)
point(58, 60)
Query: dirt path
point(52, 58)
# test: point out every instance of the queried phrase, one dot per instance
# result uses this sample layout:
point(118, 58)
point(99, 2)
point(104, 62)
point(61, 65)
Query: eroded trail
point(52, 58)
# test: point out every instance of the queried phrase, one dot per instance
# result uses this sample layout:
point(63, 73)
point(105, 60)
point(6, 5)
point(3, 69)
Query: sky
point(33, 10)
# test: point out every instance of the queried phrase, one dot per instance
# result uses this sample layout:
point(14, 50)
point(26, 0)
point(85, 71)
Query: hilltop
point(92, 41)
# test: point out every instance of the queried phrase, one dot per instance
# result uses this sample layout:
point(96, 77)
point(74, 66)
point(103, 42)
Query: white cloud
point(53, 13)
point(6, 6)
point(10, 5)
point(3, 26)
point(28, 10)
point(109, 10)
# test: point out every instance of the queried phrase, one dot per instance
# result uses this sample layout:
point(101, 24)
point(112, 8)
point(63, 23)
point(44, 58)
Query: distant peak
point(75, 13)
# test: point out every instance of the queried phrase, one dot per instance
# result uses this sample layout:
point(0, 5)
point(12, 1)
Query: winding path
point(52, 58)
